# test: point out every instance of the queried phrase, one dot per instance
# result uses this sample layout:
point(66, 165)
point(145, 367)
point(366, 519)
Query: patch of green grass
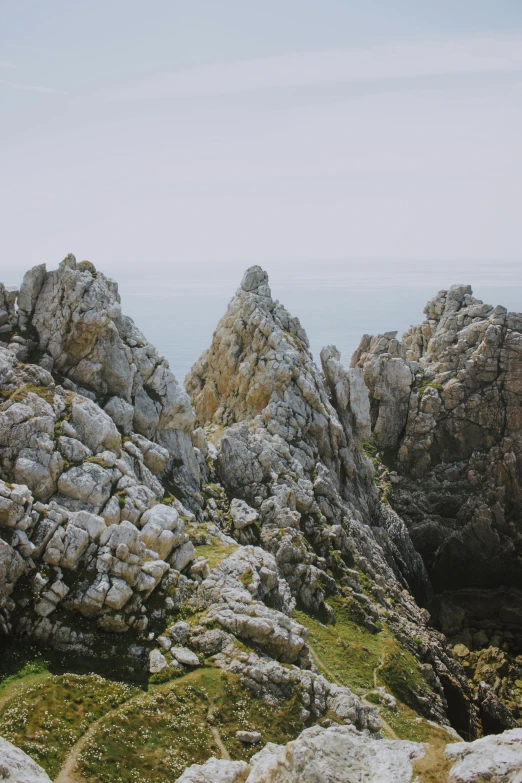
point(186, 613)
point(18, 664)
point(215, 552)
point(366, 583)
point(246, 577)
point(96, 461)
point(410, 726)
point(400, 673)
point(421, 383)
point(370, 449)
point(49, 717)
point(421, 390)
point(155, 737)
point(353, 656)
point(44, 392)
point(346, 650)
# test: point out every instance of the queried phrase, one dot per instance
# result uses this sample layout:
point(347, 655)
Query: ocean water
point(178, 307)
point(336, 303)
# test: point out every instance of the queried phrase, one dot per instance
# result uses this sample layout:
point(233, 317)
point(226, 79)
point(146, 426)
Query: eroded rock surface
point(342, 755)
point(446, 409)
point(289, 445)
point(71, 319)
point(132, 526)
point(17, 767)
point(95, 434)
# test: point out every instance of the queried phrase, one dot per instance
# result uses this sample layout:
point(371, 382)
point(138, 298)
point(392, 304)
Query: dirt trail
point(69, 771)
point(318, 660)
point(215, 732)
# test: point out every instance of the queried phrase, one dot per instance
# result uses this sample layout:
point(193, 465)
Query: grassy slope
point(48, 716)
point(152, 736)
point(355, 657)
point(153, 740)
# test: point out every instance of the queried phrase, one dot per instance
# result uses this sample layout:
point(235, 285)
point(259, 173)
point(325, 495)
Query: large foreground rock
point(495, 759)
point(17, 767)
point(341, 754)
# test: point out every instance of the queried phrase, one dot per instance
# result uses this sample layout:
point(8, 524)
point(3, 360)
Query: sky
point(209, 132)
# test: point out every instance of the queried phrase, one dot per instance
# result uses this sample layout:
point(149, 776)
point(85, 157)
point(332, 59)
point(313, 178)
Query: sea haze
point(178, 307)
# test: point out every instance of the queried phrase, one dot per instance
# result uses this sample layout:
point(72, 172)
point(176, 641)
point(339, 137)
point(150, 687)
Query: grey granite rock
point(17, 767)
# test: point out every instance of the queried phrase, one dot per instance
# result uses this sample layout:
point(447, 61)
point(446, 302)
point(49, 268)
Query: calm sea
point(177, 307)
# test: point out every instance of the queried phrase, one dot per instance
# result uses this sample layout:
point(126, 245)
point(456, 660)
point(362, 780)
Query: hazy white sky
point(167, 132)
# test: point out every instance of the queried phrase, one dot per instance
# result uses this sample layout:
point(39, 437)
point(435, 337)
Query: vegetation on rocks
point(152, 540)
point(46, 718)
point(154, 737)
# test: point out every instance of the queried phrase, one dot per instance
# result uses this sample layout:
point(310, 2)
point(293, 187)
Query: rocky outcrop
point(70, 320)
point(285, 450)
point(95, 450)
point(289, 445)
point(447, 417)
point(447, 428)
point(336, 754)
point(111, 492)
point(496, 758)
point(339, 754)
point(17, 767)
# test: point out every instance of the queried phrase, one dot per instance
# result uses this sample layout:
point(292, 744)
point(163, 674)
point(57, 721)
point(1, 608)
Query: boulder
point(249, 737)
point(157, 662)
point(185, 656)
point(17, 767)
point(242, 514)
point(495, 758)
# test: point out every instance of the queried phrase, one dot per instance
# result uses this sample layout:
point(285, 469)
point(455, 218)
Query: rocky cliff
point(245, 527)
point(446, 410)
point(95, 450)
point(290, 443)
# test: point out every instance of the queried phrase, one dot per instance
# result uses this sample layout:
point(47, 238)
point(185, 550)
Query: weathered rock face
point(70, 319)
point(285, 450)
point(17, 767)
point(96, 445)
point(446, 411)
point(340, 754)
point(93, 435)
point(289, 451)
point(88, 550)
point(83, 529)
